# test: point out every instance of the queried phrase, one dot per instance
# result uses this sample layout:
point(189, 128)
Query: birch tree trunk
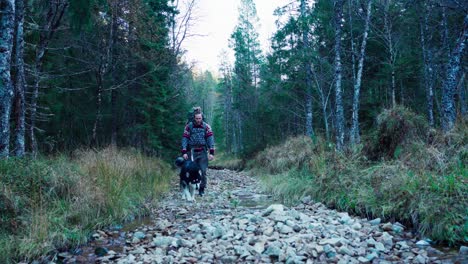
point(308, 72)
point(354, 135)
point(353, 49)
point(227, 119)
point(112, 62)
point(20, 82)
point(448, 101)
point(114, 118)
point(338, 75)
point(7, 24)
point(462, 89)
point(391, 50)
point(97, 121)
point(323, 99)
point(428, 67)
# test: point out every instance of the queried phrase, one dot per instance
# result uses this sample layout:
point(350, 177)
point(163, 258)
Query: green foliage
point(51, 203)
point(132, 63)
point(81, 14)
point(244, 89)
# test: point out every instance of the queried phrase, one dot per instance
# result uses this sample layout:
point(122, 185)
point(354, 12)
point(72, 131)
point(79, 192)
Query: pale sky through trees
point(216, 20)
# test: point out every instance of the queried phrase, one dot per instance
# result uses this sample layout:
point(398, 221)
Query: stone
point(285, 229)
point(162, 241)
point(272, 251)
point(184, 243)
point(433, 252)
point(356, 226)
point(199, 238)
point(387, 227)
point(375, 221)
point(259, 247)
point(140, 235)
point(402, 245)
point(314, 225)
point(276, 208)
point(363, 260)
point(241, 251)
point(387, 239)
point(420, 259)
point(268, 231)
point(336, 241)
point(463, 250)
point(345, 251)
point(372, 256)
point(139, 250)
point(306, 200)
point(297, 228)
point(379, 246)
point(251, 228)
point(329, 251)
point(319, 249)
point(228, 259)
point(398, 228)
point(194, 228)
point(422, 243)
point(344, 218)
point(162, 224)
point(371, 242)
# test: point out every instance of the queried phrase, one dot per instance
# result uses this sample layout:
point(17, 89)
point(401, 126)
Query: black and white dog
point(190, 178)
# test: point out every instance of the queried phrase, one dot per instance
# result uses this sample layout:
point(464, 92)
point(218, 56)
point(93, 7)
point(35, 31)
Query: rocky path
point(235, 223)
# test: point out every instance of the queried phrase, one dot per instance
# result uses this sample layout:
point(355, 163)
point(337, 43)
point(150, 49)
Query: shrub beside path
point(235, 223)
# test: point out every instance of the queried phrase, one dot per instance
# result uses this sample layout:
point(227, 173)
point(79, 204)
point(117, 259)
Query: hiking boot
point(201, 192)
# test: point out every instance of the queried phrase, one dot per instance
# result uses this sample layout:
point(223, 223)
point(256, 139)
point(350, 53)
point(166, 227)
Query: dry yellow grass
point(57, 202)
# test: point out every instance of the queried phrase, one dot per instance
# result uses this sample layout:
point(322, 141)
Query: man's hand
point(210, 157)
point(185, 156)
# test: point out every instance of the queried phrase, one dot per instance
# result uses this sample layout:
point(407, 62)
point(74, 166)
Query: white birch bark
point(354, 136)
point(453, 68)
point(20, 82)
point(339, 115)
point(308, 72)
point(7, 24)
point(428, 67)
point(391, 49)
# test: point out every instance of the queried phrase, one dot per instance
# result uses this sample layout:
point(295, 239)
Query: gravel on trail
point(236, 223)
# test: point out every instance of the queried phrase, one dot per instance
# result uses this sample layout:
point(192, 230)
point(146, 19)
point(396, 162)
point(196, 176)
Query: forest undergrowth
point(404, 172)
point(51, 203)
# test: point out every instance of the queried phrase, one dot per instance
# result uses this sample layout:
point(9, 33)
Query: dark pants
point(201, 158)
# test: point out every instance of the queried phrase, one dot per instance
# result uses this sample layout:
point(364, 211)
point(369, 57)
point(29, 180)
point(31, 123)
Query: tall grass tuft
point(424, 185)
point(292, 154)
point(51, 203)
point(227, 161)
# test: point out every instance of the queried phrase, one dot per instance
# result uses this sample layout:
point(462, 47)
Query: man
point(196, 141)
